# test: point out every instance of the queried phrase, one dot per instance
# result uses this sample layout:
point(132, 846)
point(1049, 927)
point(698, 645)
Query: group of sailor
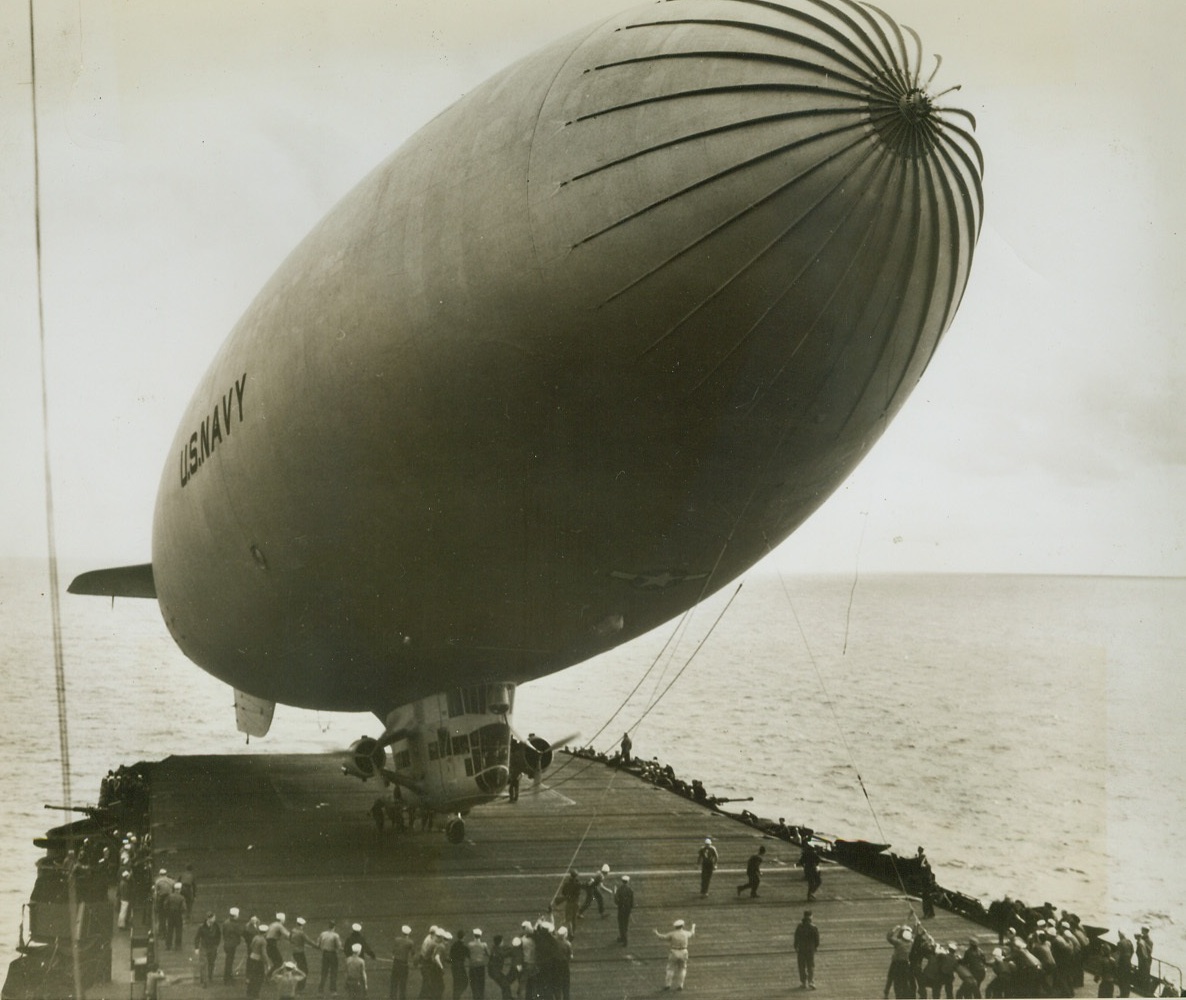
point(1039, 953)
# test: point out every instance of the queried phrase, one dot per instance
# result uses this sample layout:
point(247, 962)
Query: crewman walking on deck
point(708, 864)
point(189, 888)
point(232, 937)
point(753, 873)
point(677, 954)
point(809, 860)
point(329, 943)
point(624, 901)
point(161, 889)
point(174, 906)
point(806, 945)
point(206, 942)
point(123, 893)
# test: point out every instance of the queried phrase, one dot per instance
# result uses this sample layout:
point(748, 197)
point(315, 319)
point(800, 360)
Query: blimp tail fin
point(120, 581)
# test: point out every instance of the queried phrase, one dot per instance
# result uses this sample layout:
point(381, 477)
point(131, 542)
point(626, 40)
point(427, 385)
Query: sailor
point(562, 987)
point(161, 890)
point(592, 889)
point(174, 907)
point(232, 937)
point(570, 895)
point(624, 901)
point(708, 864)
point(299, 940)
point(1144, 948)
point(677, 954)
point(753, 873)
point(206, 942)
point(809, 861)
point(402, 950)
point(458, 957)
point(356, 937)
point(1124, 953)
point(276, 930)
point(329, 943)
point(289, 979)
point(901, 939)
point(356, 973)
point(806, 945)
point(477, 959)
point(529, 968)
point(627, 746)
point(123, 892)
point(189, 888)
point(256, 961)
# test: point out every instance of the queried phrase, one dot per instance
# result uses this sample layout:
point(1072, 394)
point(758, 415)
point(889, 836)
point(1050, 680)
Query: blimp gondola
point(588, 345)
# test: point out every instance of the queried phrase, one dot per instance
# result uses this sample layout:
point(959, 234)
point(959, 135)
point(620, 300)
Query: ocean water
point(1025, 729)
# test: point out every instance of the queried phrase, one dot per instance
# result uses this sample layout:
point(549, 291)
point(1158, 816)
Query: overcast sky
point(186, 147)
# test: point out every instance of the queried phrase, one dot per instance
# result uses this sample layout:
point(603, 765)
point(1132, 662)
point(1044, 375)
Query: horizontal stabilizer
point(120, 581)
point(253, 715)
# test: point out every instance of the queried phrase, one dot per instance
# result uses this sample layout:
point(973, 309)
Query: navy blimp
point(576, 355)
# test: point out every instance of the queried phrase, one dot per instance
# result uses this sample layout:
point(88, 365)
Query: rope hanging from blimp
point(51, 536)
point(840, 729)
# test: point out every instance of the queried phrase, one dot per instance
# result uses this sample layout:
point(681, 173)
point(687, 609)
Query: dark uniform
point(624, 901)
point(806, 945)
point(708, 864)
point(753, 874)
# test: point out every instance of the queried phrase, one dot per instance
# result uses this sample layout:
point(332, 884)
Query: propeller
point(537, 754)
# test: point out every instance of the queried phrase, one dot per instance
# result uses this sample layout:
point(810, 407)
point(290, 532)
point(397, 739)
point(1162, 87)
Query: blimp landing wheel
point(455, 830)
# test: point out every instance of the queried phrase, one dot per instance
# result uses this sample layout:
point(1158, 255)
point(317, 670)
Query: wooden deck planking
point(289, 833)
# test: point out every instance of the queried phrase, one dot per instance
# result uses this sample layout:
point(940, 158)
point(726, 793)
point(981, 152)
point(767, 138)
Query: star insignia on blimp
point(656, 581)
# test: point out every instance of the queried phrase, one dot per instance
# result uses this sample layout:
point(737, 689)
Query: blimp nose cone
point(740, 192)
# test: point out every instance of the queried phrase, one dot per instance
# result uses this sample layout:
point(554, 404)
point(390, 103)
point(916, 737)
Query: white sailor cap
point(708, 840)
point(446, 935)
point(526, 924)
point(234, 911)
point(300, 921)
point(290, 965)
point(677, 923)
point(515, 942)
point(563, 932)
point(476, 932)
point(356, 927)
point(281, 917)
point(356, 948)
point(163, 872)
point(625, 878)
point(605, 868)
point(126, 875)
point(907, 934)
point(406, 929)
point(546, 925)
point(176, 885)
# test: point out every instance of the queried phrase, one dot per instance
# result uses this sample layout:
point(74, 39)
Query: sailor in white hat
point(677, 953)
point(708, 864)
